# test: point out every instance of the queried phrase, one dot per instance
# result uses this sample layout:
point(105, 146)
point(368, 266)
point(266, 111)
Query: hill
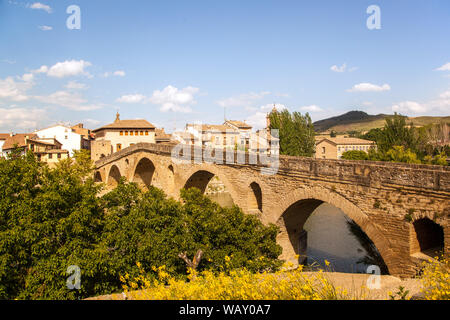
point(361, 121)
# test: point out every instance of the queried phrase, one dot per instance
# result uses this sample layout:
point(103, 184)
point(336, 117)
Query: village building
point(214, 136)
point(69, 137)
point(48, 150)
point(121, 134)
point(161, 136)
point(333, 148)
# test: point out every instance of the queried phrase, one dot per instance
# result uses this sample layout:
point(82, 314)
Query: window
point(126, 133)
point(323, 149)
point(146, 133)
point(121, 133)
point(119, 146)
point(131, 133)
point(50, 156)
point(59, 155)
point(142, 133)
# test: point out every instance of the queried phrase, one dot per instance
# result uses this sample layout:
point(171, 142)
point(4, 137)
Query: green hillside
point(361, 121)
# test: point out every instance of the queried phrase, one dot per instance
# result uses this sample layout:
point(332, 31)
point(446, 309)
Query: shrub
point(436, 279)
point(237, 284)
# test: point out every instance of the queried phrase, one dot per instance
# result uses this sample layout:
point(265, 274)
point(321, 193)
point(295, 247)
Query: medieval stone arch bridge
point(404, 209)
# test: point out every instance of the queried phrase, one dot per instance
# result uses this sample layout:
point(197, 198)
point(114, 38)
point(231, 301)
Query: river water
point(329, 237)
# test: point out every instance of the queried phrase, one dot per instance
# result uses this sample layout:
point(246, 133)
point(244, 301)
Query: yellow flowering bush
point(436, 279)
point(238, 284)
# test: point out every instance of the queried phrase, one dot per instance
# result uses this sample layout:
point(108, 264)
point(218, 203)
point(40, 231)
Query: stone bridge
point(403, 208)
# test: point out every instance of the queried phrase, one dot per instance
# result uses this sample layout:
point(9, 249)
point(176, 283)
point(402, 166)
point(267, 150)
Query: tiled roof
point(4, 136)
point(17, 139)
point(347, 141)
point(239, 124)
point(213, 127)
point(161, 135)
point(127, 124)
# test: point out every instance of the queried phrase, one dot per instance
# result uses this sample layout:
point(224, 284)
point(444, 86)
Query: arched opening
point(427, 238)
point(254, 200)
point(97, 177)
point(315, 231)
point(114, 177)
point(210, 185)
point(102, 156)
point(144, 172)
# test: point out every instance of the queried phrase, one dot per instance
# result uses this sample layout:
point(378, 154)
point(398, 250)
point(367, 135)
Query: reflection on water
point(329, 239)
point(223, 199)
point(328, 234)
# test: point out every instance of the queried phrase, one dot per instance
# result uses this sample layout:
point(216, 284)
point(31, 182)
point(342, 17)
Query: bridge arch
point(98, 177)
point(113, 177)
point(427, 237)
point(294, 209)
point(143, 172)
point(199, 177)
point(254, 197)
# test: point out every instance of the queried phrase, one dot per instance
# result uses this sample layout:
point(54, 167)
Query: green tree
point(53, 218)
point(296, 132)
point(355, 155)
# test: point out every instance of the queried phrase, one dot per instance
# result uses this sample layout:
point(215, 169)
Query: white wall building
point(70, 140)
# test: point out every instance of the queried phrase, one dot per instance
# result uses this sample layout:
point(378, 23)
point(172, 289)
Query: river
point(329, 237)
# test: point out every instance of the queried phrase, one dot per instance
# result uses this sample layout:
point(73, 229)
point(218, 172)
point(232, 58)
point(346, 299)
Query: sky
point(177, 62)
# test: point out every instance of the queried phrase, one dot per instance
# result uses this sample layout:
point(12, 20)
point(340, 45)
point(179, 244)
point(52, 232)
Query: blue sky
point(173, 62)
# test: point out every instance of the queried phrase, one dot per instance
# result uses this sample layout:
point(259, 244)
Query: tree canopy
point(296, 132)
point(51, 219)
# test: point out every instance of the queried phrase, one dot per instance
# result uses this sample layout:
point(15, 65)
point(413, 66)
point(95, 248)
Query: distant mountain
point(361, 121)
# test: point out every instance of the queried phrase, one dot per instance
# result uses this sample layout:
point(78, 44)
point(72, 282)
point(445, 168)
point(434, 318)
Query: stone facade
point(384, 199)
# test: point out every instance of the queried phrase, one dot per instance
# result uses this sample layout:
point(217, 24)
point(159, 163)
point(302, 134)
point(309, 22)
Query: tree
point(51, 219)
point(396, 133)
point(296, 132)
point(355, 155)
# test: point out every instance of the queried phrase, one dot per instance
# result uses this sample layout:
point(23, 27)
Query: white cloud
point(70, 100)
point(445, 95)
point(258, 119)
point(369, 87)
point(40, 6)
point(8, 61)
point(407, 107)
point(21, 118)
point(75, 85)
point(67, 68)
point(42, 69)
point(132, 98)
point(15, 91)
point(441, 104)
point(445, 67)
point(118, 73)
point(27, 77)
point(174, 99)
point(92, 122)
point(242, 100)
point(342, 68)
point(45, 28)
point(311, 108)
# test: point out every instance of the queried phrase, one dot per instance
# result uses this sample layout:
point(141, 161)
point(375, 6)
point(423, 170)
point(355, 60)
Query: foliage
point(401, 294)
point(51, 219)
point(436, 279)
point(236, 284)
point(355, 155)
point(399, 142)
point(296, 132)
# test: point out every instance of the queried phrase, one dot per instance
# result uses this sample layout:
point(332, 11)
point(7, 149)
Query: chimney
point(117, 117)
